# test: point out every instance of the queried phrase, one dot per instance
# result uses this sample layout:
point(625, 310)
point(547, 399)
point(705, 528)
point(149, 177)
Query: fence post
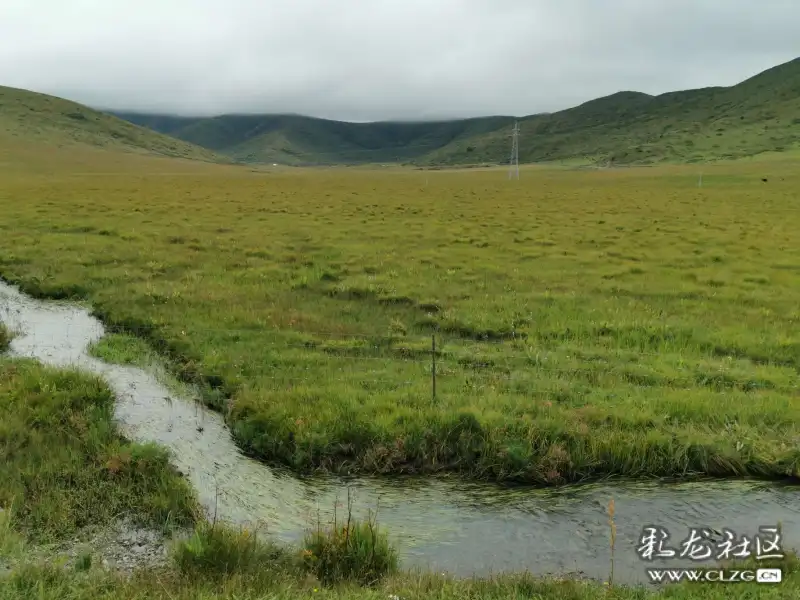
point(433, 363)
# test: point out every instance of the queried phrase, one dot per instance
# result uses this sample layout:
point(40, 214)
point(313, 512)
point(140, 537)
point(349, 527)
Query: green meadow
point(588, 323)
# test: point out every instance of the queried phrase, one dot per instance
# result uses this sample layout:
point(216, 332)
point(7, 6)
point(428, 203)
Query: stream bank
point(464, 528)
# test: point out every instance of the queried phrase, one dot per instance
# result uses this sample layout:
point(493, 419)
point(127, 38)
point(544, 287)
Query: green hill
point(29, 116)
point(293, 139)
point(758, 115)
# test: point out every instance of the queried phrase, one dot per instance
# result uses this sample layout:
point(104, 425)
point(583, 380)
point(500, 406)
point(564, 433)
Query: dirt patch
point(122, 547)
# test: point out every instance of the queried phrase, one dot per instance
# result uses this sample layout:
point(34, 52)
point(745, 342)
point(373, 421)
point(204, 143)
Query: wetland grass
point(588, 323)
point(64, 466)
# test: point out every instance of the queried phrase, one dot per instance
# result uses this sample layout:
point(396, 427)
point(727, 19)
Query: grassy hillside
point(292, 139)
point(759, 115)
point(27, 117)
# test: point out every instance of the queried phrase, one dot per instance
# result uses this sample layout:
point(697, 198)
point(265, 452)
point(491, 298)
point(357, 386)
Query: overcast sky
point(366, 60)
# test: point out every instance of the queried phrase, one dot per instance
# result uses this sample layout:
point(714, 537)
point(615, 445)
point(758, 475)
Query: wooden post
point(433, 364)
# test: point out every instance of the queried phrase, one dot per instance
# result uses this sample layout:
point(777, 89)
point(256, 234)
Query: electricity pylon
point(513, 170)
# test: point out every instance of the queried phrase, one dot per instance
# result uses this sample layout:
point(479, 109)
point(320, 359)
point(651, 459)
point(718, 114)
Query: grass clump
point(5, 338)
point(215, 552)
point(351, 551)
point(123, 349)
point(354, 552)
point(63, 465)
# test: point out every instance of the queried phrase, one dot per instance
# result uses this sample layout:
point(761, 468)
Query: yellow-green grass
point(63, 465)
point(26, 116)
point(589, 323)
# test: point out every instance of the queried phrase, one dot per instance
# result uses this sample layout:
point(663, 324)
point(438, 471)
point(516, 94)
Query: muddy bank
point(464, 528)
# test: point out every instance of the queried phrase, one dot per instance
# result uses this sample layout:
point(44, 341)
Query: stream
point(436, 523)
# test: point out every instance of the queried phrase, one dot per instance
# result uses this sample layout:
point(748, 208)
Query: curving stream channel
point(439, 524)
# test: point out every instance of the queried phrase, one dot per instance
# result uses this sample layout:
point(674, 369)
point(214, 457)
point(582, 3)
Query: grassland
point(63, 467)
point(589, 324)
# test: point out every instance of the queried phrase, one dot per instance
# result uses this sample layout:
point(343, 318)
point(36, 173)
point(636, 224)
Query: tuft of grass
point(83, 562)
point(5, 338)
point(217, 552)
point(63, 465)
point(349, 551)
point(11, 543)
point(355, 552)
point(123, 349)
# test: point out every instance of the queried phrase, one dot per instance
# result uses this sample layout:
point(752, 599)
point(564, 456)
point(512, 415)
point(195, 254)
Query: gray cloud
point(379, 59)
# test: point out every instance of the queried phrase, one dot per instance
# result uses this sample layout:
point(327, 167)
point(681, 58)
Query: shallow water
point(463, 528)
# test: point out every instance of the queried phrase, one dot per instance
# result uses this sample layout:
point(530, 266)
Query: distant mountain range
point(758, 115)
point(298, 140)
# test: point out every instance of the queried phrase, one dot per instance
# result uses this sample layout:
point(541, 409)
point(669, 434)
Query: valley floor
point(587, 324)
